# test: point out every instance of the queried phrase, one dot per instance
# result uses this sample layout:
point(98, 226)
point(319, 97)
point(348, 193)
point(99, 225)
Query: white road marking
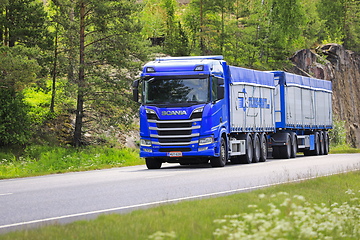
point(167, 201)
point(5, 194)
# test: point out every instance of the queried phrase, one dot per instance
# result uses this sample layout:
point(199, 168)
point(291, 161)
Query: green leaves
point(14, 121)
point(18, 67)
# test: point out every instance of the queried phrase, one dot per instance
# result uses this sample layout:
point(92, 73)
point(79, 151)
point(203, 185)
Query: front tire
point(222, 159)
point(153, 163)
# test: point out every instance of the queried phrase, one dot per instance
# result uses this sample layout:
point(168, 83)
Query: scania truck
point(199, 109)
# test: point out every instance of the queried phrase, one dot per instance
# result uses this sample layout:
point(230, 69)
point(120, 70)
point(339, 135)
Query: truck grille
point(175, 132)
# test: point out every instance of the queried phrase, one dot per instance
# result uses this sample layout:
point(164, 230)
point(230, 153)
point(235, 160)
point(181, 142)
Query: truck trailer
point(199, 109)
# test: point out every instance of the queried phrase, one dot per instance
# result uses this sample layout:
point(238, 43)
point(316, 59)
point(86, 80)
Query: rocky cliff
point(342, 67)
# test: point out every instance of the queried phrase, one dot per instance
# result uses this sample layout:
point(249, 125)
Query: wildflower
point(262, 195)
point(162, 235)
point(286, 202)
point(219, 221)
point(301, 198)
point(350, 192)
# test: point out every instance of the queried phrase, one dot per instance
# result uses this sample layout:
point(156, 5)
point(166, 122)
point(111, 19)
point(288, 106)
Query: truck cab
point(183, 111)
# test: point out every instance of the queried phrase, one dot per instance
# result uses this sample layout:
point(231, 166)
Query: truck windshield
point(174, 91)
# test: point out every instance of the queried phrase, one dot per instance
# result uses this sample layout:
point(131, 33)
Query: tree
point(23, 21)
point(110, 52)
point(18, 69)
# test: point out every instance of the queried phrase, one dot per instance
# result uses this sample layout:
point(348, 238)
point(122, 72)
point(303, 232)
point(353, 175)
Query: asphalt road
point(63, 198)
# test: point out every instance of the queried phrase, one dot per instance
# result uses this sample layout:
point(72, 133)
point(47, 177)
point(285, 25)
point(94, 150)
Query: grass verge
point(322, 208)
point(41, 160)
point(343, 149)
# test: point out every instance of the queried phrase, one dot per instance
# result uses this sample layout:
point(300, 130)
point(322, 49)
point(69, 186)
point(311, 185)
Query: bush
point(338, 133)
point(14, 120)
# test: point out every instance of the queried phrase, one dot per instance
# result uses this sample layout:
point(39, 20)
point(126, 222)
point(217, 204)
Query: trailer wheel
point(326, 143)
point(317, 144)
point(153, 163)
point(257, 149)
point(222, 159)
point(264, 148)
point(248, 157)
point(322, 143)
point(285, 151)
point(293, 145)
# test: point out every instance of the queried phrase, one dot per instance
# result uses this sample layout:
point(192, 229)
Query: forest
point(66, 66)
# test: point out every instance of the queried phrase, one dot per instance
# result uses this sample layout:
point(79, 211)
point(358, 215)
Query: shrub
point(338, 133)
point(14, 120)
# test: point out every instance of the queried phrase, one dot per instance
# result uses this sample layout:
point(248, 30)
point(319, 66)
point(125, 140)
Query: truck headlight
point(145, 142)
point(207, 140)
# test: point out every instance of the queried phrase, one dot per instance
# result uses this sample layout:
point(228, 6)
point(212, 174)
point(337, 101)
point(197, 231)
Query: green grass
point(41, 160)
point(322, 208)
point(343, 149)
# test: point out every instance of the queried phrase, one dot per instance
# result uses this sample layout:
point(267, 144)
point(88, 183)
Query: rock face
point(342, 67)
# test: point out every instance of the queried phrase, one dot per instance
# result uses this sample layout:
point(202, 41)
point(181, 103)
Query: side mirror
point(136, 91)
point(220, 92)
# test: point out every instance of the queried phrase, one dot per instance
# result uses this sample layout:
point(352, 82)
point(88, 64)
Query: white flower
point(301, 198)
point(261, 195)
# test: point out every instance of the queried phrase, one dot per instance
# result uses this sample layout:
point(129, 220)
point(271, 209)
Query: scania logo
point(169, 113)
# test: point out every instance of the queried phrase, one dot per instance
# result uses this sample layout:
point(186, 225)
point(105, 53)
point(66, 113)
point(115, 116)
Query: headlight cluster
point(207, 140)
point(145, 142)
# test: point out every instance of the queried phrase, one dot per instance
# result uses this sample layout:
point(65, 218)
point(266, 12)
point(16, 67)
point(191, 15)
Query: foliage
point(14, 120)
point(18, 67)
point(25, 23)
point(337, 134)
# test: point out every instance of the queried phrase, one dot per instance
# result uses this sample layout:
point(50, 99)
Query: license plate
point(174, 154)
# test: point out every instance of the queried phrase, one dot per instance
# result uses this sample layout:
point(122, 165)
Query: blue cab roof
point(182, 66)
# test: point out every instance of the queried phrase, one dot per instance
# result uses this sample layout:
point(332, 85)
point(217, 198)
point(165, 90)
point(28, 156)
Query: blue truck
point(199, 109)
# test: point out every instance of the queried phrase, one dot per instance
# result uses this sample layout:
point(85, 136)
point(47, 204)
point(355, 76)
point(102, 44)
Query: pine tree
point(23, 21)
point(106, 36)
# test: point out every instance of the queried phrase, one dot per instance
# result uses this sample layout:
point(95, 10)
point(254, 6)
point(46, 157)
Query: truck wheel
point(317, 144)
point(264, 148)
point(293, 146)
point(222, 159)
point(326, 143)
point(257, 147)
point(285, 151)
point(153, 163)
point(248, 157)
point(322, 143)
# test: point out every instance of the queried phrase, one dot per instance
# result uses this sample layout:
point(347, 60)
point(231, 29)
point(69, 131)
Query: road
point(63, 198)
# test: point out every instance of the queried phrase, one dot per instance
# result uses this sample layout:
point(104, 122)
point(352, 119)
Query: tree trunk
point(71, 77)
point(54, 71)
point(6, 29)
point(80, 97)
